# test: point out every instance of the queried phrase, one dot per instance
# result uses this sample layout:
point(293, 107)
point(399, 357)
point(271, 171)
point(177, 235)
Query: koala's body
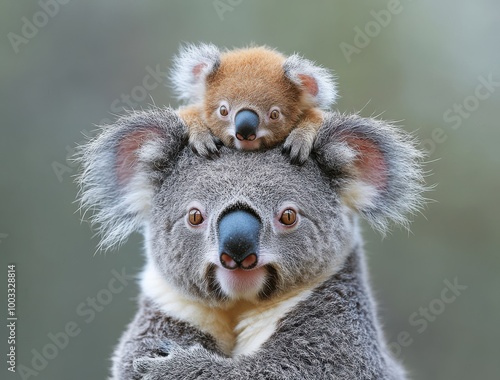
point(255, 267)
point(251, 98)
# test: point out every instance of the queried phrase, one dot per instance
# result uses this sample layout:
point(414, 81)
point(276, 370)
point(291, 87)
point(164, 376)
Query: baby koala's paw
point(298, 145)
point(205, 144)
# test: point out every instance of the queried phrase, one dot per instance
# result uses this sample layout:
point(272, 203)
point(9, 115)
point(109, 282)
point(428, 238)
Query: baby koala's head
point(251, 97)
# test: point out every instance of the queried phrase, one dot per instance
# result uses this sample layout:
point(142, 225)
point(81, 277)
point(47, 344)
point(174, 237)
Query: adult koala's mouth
point(260, 283)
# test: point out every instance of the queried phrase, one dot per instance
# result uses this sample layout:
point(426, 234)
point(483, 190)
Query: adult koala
point(255, 266)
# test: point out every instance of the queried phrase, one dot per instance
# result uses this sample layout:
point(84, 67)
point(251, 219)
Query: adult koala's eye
point(288, 217)
point(274, 115)
point(223, 111)
point(195, 217)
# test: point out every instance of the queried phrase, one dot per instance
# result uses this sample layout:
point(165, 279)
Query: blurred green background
point(434, 66)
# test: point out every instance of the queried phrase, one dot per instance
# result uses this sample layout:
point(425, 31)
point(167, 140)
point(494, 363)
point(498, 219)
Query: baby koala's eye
point(275, 114)
point(195, 217)
point(288, 217)
point(223, 111)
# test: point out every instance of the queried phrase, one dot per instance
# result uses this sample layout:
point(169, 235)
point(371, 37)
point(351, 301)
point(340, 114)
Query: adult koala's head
point(248, 225)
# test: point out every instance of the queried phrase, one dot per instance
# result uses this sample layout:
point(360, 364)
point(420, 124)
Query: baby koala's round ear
point(317, 82)
point(123, 167)
point(375, 167)
point(191, 66)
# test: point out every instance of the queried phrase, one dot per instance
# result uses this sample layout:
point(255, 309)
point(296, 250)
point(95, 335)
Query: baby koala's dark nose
point(239, 240)
point(246, 123)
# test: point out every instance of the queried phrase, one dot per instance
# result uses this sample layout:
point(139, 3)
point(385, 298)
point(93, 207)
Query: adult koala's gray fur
point(301, 308)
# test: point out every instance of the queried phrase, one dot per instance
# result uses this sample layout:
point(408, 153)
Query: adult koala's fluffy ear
point(122, 168)
point(375, 167)
point(190, 69)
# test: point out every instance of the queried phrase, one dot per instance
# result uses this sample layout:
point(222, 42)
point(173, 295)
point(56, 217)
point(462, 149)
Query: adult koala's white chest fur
point(254, 266)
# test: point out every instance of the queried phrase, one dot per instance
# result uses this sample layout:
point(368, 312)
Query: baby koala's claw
point(298, 146)
point(218, 143)
point(205, 145)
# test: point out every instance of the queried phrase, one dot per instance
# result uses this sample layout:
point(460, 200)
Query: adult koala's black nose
point(246, 123)
point(239, 232)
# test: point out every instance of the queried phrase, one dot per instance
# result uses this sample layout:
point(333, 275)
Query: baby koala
point(251, 98)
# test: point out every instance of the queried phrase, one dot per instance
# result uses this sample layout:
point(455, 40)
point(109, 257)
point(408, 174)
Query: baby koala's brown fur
point(257, 79)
